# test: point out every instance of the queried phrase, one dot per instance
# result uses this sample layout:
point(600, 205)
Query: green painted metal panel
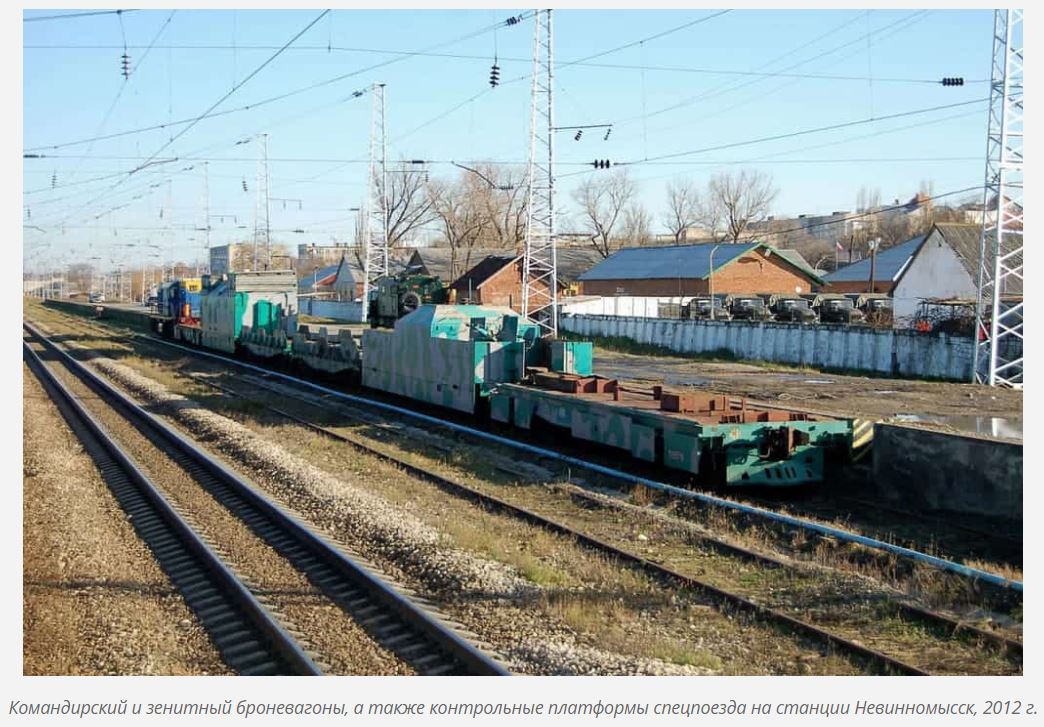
point(239, 312)
point(681, 451)
point(266, 316)
point(524, 409)
point(500, 408)
point(572, 357)
point(745, 467)
point(643, 442)
point(684, 442)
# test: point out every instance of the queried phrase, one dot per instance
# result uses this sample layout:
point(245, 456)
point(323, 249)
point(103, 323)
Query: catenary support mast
point(540, 264)
point(999, 311)
point(375, 217)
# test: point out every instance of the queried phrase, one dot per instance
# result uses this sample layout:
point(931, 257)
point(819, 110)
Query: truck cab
point(749, 308)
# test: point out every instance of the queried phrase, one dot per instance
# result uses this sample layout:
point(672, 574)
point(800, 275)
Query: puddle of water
point(987, 426)
point(818, 381)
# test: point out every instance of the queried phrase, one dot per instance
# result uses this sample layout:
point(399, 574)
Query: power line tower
point(375, 217)
point(540, 265)
point(998, 351)
point(262, 226)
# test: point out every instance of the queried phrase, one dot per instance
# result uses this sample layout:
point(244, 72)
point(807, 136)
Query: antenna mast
point(998, 350)
point(540, 265)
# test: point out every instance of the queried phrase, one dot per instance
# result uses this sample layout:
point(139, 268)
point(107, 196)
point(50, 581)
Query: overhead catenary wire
point(519, 59)
point(729, 88)
point(70, 16)
point(525, 76)
point(805, 132)
point(271, 99)
point(213, 106)
point(123, 85)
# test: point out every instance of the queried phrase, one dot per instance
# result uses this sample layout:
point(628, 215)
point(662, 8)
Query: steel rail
point(248, 637)
point(955, 627)
point(847, 536)
point(909, 610)
point(466, 658)
point(722, 597)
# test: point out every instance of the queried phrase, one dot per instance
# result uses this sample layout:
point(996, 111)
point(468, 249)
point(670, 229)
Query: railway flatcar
point(490, 362)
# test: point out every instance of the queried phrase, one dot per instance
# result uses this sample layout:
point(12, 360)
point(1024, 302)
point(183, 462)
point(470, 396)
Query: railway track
point(940, 623)
point(756, 512)
point(408, 629)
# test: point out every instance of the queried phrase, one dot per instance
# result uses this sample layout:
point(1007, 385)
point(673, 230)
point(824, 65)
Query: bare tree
point(602, 201)
point(635, 230)
point(462, 209)
point(735, 201)
point(506, 204)
point(79, 276)
point(683, 208)
point(410, 207)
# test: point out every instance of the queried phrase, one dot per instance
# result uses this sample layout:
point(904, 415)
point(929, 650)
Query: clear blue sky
point(200, 55)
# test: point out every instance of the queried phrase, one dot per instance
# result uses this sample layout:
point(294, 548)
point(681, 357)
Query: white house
point(943, 264)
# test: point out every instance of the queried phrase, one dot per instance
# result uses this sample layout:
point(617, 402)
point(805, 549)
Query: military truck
point(700, 309)
point(748, 308)
point(838, 308)
point(394, 296)
point(791, 308)
point(877, 307)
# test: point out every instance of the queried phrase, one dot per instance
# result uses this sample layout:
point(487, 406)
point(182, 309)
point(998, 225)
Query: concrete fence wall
point(883, 351)
point(941, 471)
point(335, 309)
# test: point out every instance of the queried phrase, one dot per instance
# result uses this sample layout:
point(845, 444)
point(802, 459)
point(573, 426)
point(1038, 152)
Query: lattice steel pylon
point(262, 210)
point(998, 310)
point(375, 216)
point(540, 263)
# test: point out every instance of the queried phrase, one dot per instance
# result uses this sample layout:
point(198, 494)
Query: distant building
point(348, 282)
point(319, 283)
point(495, 280)
point(680, 270)
point(888, 265)
point(323, 254)
point(448, 263)
point(942, 264)
point(238, 257)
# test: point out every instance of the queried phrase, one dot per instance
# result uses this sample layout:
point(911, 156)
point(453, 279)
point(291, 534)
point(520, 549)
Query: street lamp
point(710, 285)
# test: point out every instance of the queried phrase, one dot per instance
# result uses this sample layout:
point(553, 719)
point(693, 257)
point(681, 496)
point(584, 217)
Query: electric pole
point(262, 228)
point(540, 264)
point(998, 330)
point(375, 216)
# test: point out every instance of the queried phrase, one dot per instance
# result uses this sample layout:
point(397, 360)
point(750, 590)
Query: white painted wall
point(620, 305)
point(934, 272)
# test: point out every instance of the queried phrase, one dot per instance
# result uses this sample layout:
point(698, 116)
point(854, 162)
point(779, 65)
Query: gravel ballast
point(392, 536)
point(94, 601)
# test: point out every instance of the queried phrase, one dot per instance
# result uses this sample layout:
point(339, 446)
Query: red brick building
point(680, 270)
point(496, 280)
